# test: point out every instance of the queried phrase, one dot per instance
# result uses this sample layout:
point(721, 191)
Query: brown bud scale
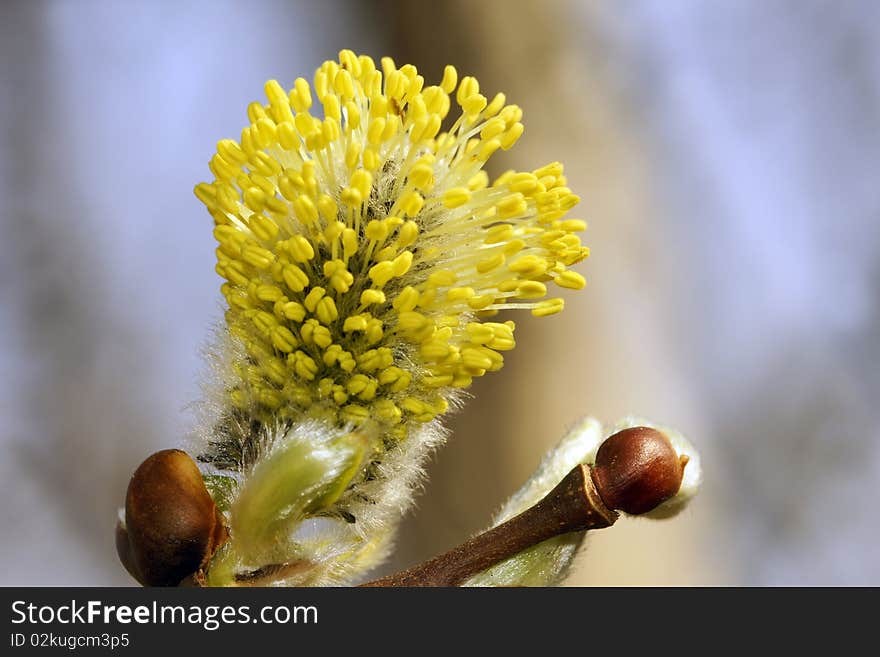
point(637, 469)
point(172, 526)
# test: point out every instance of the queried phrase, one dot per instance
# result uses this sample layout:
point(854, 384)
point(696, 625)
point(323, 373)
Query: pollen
point(364, 248)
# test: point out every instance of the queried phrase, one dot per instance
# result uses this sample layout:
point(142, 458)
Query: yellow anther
point(480, 333)
point(269, 293)
point(304, 366)
point(355, 323)
point(548, 307)
point(222, 169)
point(301, 95)
point(511, 114)
point(265, 132)
point(529, 266)
point(512, 135)
point(231, 236)
point(370, 297)
point(283, 339)
point(362, 181)
point(450, 79)
point(386, 410)
point(479, 358)
point(351, 197)
point(354, 413)
point(374, 132)
point(340, 278)
point(498, 234)
point(330, 130)
point(436, 101)
point(456, 197)
point(457, 294)
point(264, 321)
point(474, 104)
point(326, 310)
point(300, 248)
point(413, 405)
point(573, 225)
point(385, 254)
point(442, 278)
point(258, 257)
point(287, 135)
point(407, 300)
point(395, 84)
point(362, 386)
point(371, 159)
point(233, 272)
point(254, 198)
point(231, 152)
point(492, 128)
point(295, 278)
point(381, 273)
point(488, 148)
point(489, 263)
point(353, 154)
point(411, 203)
point(331, 107)
point(438, 380)
point(495, 106)
point(407, 234)
point(571, 279)
point(402, 263)
point(275, 93)
point(379, 108)
point(343, 84)
point(206, 193)
point(374, 331)
point(294, 311)
point(306, 124)
point(422, 176)
point(313, 297)
point(333, 231)
point(413, 322)
point(351, 63)
point(468, 87)
point(305, 209)
point(554, 169)
point(314, 333)
point(481, 302)
point(376, 230)
point(435, 350)
point(263, 227)
point(531, 290)
point(276, 370)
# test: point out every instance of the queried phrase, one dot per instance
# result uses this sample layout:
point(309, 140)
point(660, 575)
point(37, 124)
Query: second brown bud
point(637, 469)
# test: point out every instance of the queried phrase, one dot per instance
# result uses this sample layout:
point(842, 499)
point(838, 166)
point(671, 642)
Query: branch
point(636, 470)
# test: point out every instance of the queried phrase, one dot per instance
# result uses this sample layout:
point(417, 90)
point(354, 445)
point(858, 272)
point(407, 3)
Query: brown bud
point(637, 469)
point(172, 526)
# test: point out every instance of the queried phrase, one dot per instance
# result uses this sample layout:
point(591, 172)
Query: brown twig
point(636, 470)
point(574, 505)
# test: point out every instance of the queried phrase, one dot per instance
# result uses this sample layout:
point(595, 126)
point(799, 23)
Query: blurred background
point(727, 154)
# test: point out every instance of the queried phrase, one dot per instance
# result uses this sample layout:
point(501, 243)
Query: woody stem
point(573, 505)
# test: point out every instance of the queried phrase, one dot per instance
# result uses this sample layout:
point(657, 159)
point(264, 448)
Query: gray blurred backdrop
point(727, 154)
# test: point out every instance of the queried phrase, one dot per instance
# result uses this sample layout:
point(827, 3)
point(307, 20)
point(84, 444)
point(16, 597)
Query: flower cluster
point(365, 254)
point(365, 250)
